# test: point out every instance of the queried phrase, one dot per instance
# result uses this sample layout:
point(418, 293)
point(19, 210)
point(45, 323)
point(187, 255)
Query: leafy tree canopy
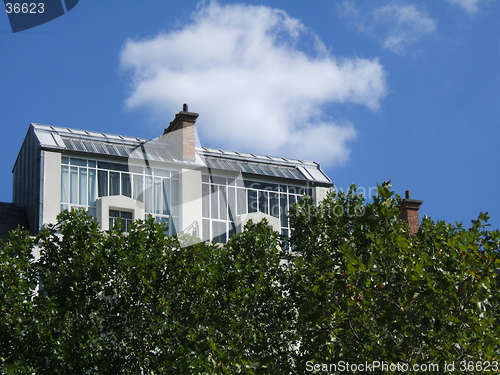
point(350, 284)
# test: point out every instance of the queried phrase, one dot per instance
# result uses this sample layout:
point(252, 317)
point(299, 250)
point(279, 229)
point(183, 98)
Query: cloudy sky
point(399, 90)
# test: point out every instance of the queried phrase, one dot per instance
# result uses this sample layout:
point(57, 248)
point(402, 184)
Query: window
point(126, 186)
point(103, 183)
point(241, 202)
point(83, 181)
point(122, 218)
point(225, 199)
point(114, 183)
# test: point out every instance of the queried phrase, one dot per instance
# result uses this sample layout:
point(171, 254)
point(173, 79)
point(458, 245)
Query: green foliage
point(350, 284)
point(367, 290)
point(17, 287)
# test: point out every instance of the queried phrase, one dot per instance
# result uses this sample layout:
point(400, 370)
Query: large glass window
point(215, 201)
point(159, 197)
point(252, 201)
point(231, 200)
point(92, 186)
point(205, 191)
point(274, 206)
point(126, 186)
point(73, 183)
point(148, 194)
point(65, 184)
point(82, 181)
point(114, 183)
point(165, 196)
point(102, 183)
point(223, 200)
point(241, 207)
point(138, 187)
point(121, 218)
point(284, 210)
point(264, 202)
point(174, 195)
point(223, 203)
point(83, 187)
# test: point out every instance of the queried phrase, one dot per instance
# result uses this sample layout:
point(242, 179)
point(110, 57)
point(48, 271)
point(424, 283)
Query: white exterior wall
point(257, 217)
point(190, 201)
point(321, 193)
point(119, 203)
point(50, 187)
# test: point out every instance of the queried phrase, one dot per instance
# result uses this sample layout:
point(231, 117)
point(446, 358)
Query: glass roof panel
point(151, 155)
point(100, 148)
point(122, 150)
point(210, 164)
point(257, 168)
point(68, 144)
point(111, 150)
point(297, 174)
point(277, 171)
point(222, 164)
point(246, 167)
point(233, 166)
point(286, 172)
point(138, 152)
point(215, 163)
point(88, 146)
point(78, 145)
point(266, 170)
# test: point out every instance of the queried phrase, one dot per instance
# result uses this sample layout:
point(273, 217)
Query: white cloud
point(244, 70)
point(397, 25)
point(469, 6)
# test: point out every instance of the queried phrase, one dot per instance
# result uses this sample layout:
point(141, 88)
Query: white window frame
point(117, 203)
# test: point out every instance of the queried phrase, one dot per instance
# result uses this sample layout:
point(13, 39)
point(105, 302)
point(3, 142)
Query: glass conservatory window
point(83, 181)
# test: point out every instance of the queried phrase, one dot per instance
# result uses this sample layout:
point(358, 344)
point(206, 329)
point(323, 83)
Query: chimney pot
point(409, 212)
point(182, 128)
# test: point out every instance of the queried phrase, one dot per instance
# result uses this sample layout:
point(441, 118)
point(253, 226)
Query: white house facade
point(206, 192)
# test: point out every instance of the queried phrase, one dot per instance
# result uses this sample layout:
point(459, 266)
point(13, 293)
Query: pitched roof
point(59, 138)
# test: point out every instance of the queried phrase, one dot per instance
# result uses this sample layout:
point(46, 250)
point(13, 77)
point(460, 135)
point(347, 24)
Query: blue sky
point(401, 90)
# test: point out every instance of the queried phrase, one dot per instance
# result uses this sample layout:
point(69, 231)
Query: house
point(207, 192)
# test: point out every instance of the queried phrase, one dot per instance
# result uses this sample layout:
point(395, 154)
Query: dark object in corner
point(11, 216)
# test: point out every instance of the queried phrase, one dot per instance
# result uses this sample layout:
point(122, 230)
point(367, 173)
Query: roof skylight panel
point(277, 171)
point(233, 165)
point(297, 174)
point(78, 145)
point(210, 164)
point(286, 172)
point(225, 165)
point(68, 144)
point(258, 169)
point(246, 167)
point(88, 146)
point(111, 150)
point(217, 164)
point(122, 150)
point(266, 169)
point(100, 148)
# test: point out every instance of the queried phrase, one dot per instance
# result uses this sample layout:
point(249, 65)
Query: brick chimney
point(183, 131)
point(409, 212)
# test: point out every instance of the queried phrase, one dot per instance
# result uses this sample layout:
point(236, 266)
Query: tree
point(367, 290)
point(18, 283)
point(350, 284)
